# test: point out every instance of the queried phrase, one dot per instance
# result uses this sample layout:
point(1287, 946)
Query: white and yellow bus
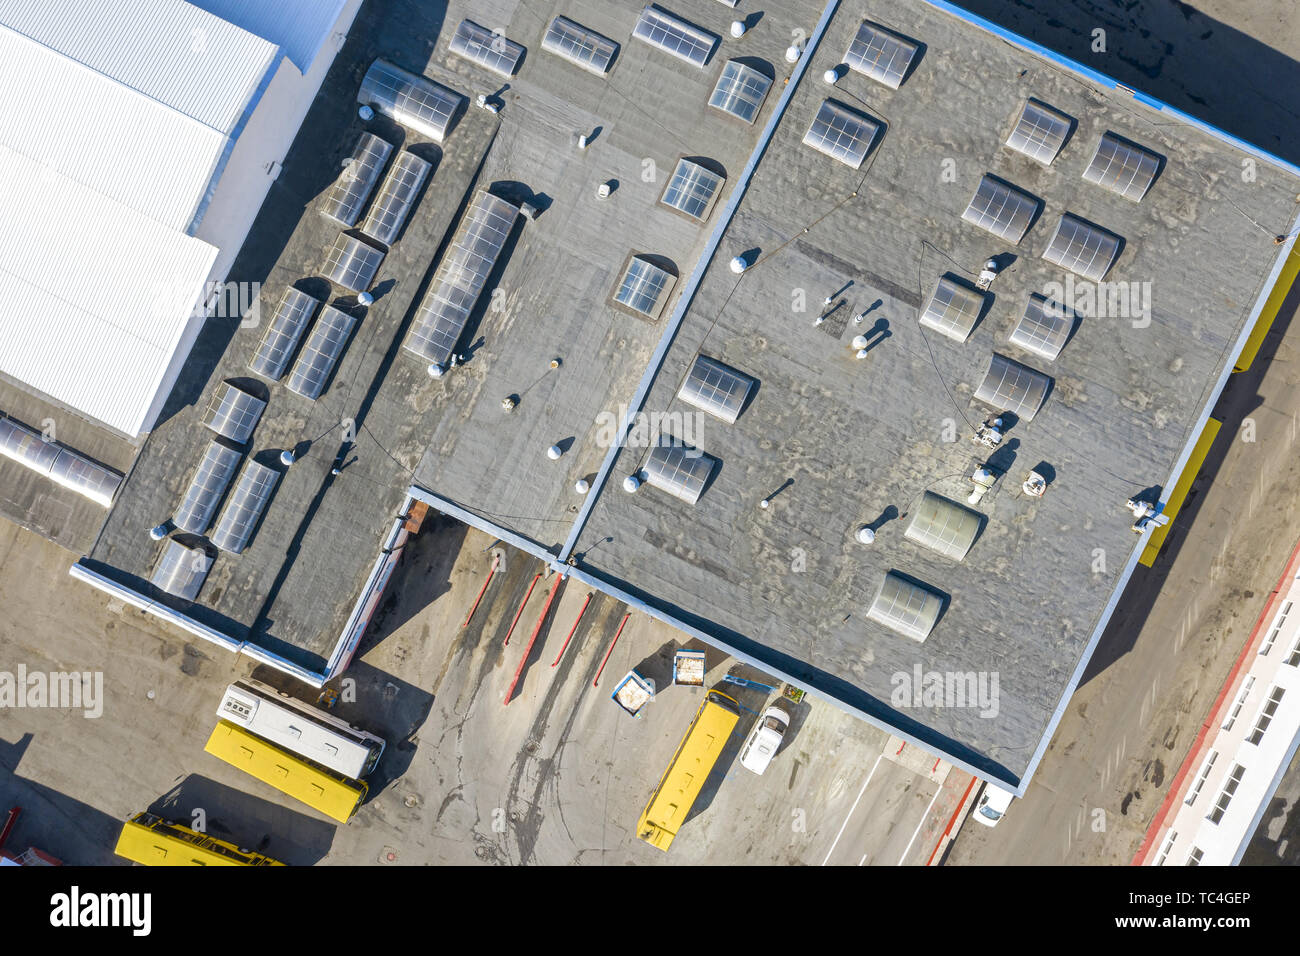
point(300, 728)
point(328, 791)
point(695, 758)
point(153, 841)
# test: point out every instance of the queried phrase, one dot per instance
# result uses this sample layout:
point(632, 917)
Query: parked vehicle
point(993, 803)
point(764, 740)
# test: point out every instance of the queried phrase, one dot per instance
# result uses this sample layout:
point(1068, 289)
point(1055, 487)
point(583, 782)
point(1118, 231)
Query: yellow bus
point(325, 790)
point(153, 841)
point(695, 757)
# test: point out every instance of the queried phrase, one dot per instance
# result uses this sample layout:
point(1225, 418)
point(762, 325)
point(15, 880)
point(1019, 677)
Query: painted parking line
point(925, 816)
point(852, 808)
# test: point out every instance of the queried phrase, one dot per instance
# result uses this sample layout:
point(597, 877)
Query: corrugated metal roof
point(119, 120)
point(168, 50)
point(103, 135)
point(94, 296)
point(299, 27)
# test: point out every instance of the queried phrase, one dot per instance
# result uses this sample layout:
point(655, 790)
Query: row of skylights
point(716, 389)
point(283, 333)
point(57, 462)
point(1008, 212)
point(1121, 166)
point(954, 308)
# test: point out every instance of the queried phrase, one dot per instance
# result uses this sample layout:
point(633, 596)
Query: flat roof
point(835, 442)
point(293, 588)
point(839, 442)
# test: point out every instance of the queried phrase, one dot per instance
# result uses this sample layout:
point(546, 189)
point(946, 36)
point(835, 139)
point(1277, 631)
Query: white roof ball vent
point(739, 264)
point(554, 452)
point(738, 28)
point(158, 532)
point(631, 483)
point(859, 341)
point(582, 486)
point(792, 53)
point(865, 535)
point(366, 113)
point(437, 370)
point(832, 76)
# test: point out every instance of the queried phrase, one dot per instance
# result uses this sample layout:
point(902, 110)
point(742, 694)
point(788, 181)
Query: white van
point(992, 805)
point(764, 740)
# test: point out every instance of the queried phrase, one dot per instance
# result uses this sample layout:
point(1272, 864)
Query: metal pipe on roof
point(633, 408)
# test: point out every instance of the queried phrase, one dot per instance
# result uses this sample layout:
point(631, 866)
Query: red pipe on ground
point(611, 649)
point(537, 628)
point(491, 571)
point(582, 610)
point(537, 577)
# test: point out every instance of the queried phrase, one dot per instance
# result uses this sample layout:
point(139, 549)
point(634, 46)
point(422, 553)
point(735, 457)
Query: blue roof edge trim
point(1101, 79)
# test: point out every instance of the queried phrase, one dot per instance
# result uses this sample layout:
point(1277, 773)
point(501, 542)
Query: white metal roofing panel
point(299, 27)
point(104, 135)
point(167, 50)
point(94, 297)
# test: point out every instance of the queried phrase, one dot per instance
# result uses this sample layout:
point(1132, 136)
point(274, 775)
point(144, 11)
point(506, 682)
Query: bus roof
point(695, 758)
point(331, 793)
